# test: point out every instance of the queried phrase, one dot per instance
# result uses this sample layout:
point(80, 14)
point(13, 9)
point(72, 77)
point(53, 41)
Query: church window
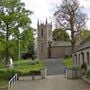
point(42, 32)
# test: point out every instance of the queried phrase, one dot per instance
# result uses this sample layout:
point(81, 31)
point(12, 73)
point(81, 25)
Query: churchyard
point(22, 68)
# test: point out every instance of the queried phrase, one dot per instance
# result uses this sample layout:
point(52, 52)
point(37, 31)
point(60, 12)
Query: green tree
point(60, 35)
point(13, 18)
point(70, 16)
point(27, 40)
point(82, 35)
point(2, 47)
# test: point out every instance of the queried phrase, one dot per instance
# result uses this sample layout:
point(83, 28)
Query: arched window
point(41, 32)
point(87, 57)
point(76, 58)
point(79, 59)
point(82, 57)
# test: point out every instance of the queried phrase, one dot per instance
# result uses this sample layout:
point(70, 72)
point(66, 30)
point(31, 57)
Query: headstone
point(10, 62)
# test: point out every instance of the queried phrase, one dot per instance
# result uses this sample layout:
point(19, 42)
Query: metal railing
point(12, 82)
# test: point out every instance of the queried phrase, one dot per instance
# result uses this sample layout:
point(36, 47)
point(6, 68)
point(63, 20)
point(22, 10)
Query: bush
point(7, 74)
point(68, 62)
point(88, 74)
point(84, 66)
point(66, 56)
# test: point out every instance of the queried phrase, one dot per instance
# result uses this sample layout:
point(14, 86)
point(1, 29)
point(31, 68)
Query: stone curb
point(85, 79)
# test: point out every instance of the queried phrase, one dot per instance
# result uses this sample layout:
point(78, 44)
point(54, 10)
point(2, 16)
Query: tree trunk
point(72, 40)
point(73, 47)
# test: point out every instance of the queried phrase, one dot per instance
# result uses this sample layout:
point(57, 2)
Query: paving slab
point(57, 82)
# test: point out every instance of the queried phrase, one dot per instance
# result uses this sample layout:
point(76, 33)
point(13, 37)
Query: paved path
point(54, 66)
point(57, 82)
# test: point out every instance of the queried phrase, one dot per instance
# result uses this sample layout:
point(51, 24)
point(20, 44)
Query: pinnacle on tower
point(46, 21)
point(38, 23)
point(51, 23)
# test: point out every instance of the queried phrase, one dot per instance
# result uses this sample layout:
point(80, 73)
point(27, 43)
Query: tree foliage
point(13, 18)
point(71, 17)
point(82, 35)
point(60, 35)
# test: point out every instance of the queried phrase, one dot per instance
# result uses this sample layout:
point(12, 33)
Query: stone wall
point(81, 56)
point(60, 52)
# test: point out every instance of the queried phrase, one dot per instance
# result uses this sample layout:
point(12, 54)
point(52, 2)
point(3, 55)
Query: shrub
point(88, 74)
point(84, 66)
point(7, 74)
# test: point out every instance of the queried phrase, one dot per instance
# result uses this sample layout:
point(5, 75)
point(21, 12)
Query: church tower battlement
point(44, 39)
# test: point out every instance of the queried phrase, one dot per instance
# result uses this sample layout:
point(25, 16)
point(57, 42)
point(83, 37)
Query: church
point(47, 47)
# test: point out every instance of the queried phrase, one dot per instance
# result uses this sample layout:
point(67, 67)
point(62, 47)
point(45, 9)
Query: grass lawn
point(26, 66)
point(68, 62)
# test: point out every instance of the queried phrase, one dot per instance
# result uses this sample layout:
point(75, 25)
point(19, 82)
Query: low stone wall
point(42, 73)
point(73, 73)
point(85, 79)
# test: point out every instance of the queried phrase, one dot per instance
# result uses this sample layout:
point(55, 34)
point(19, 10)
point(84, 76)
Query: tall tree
point(60, 35)
point(71, 17)
point(13, 18)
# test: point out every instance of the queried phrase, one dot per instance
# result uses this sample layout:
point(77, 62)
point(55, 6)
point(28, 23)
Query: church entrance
point(49, 50)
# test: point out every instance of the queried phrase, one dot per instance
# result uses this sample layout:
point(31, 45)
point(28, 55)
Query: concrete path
point(54, 66)
point(57, 82)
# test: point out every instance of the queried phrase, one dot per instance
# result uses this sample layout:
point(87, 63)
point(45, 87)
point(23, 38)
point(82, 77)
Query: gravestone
point(10, 62)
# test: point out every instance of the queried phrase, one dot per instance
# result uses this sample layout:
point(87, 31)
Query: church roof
point(61, 43)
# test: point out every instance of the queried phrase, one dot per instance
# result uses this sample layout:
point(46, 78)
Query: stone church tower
point(44, 40)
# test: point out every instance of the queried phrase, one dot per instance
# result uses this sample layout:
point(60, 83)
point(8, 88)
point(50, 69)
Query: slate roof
point(83, 45)
point(60, 43)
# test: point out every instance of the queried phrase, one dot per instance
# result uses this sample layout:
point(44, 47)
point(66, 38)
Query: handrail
point(12, 82)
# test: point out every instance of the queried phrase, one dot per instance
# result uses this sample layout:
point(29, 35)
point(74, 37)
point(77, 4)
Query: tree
point(84, 34)
point(70, 17)
point(27, 40)
point(13, 18)
point(2, 47)
point(60, 35)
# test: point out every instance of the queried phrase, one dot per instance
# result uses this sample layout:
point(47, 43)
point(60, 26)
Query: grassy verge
point(3, 83)
point(68, 62)
point(26, 66)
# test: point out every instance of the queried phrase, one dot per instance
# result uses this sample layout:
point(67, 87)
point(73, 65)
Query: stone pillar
point(43, 73)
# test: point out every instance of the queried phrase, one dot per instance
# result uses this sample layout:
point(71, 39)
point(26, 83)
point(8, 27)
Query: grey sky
point(45, 8)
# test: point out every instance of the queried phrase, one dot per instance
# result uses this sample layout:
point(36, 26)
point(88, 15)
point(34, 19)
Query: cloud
point(40, 9)
point(45, 8)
